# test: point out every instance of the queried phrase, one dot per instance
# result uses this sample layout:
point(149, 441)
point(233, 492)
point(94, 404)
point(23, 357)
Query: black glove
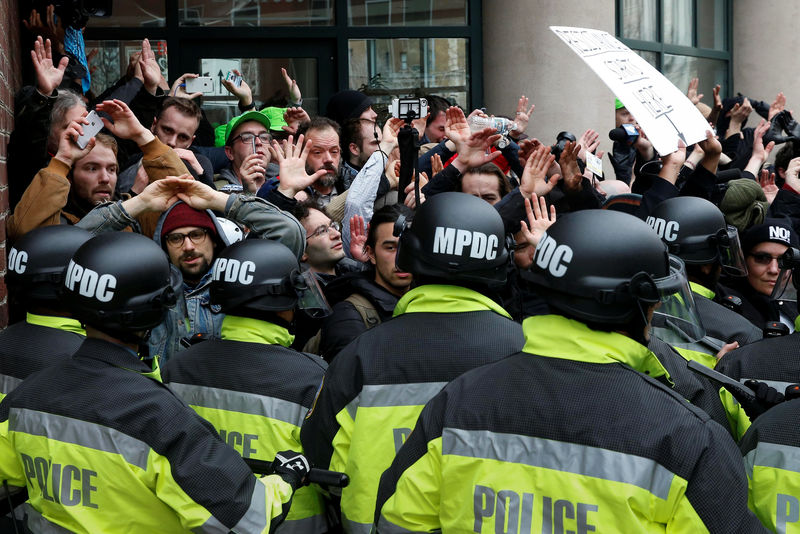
point(292, 467)
point(766, 398)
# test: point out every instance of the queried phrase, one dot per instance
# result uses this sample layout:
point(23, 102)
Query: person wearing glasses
point(247, 140)
point(190, 233)
point(763, 246)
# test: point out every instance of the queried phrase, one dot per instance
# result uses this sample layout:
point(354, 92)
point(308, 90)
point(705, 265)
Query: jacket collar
point(702, 290)
point(60, 323)
point(254, 331)
point(118, 356)
point(436, 298)
point(555, 336)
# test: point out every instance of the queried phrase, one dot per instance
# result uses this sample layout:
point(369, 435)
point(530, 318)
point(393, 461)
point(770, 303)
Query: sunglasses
point(762, 258)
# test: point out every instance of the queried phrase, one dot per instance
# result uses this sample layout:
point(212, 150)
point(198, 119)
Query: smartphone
point(233, 78)
point(91, 129)
point(202, 84)
point(418, 107)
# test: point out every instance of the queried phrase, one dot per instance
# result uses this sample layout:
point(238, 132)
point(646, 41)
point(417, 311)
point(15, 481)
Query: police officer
point(577, 432)
point(101, 444)
point(694, 229)
point(450, 322)
point(36, 266)
point(770, 449)
point(250, 385)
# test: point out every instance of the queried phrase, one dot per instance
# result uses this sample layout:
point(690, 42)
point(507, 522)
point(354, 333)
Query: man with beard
point(77, 179)
point(325, 154)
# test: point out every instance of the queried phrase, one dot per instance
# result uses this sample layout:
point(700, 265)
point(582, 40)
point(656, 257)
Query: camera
point(561, 141)
point(409, 108)
point(74, 13)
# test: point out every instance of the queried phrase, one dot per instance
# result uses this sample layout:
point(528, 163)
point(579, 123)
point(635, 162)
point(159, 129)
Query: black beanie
point(347, 104)
point(773, 230)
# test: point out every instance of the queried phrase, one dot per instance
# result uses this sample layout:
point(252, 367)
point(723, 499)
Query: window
point(681, 38)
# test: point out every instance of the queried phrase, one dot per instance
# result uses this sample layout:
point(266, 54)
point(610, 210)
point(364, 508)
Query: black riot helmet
point(259, 275)
point(695, 230)
point(607, 268)
point(455, 237)
point(38, 260)
point(120, 283)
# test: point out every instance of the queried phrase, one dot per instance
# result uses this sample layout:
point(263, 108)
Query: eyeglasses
point(176, 239)
point(762, 258)
point(248, 138)
point(324, 229)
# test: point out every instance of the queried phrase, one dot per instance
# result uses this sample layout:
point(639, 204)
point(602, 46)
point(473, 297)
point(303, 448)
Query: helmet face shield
point(731, 256)
point(309, 295)
point(675, 319)
point(784, 287)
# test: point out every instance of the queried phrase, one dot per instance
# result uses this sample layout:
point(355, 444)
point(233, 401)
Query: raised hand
point(150, 69)
point(691, 93)
point(68, 150)
point(200, 196)
point(179, 87)
point(569, 167)
point(292, 159)
point(125, 125)
point(759, 150)
point(522, 116)
point(436, 164)
point(243, 93)
point(717, 109)
point(253, 172)
point(48, 75)
point(158, 195)
point(358, 238)
point(539, 220)
point(295, 96)
point(534, 176)
point(589, 141)
point(778, 105)
point(766, 180)
point(471, 146)
point(389, 134)
point(294, 117)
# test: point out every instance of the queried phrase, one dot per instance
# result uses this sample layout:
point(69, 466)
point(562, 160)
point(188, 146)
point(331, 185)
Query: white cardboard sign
point(661, 109)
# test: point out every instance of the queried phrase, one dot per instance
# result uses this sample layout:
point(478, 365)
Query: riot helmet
point(120, 283)
point(695, 230)
point(259, 275)
point(455, 237)
point(608, 268)
point(38, 260)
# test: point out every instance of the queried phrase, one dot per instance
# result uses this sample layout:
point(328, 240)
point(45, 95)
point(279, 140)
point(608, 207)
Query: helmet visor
point(675, 319)
point(784, 288)
point(309, 295)
point(731, 256)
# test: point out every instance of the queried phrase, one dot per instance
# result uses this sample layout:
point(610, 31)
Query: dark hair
point(503, 185)
point(351, 133)
point(319, 123)
point(436, 105)
point(184, 106)
point(387, 214)
point(301, 209)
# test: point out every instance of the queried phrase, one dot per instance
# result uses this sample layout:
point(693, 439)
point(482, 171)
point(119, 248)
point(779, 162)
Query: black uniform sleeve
point(445, 181)
point(717, 489)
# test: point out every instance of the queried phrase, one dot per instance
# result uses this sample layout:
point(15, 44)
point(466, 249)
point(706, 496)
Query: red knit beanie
point(184, 215)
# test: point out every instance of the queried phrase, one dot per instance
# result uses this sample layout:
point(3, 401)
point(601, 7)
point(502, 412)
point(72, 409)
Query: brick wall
point(10, 82)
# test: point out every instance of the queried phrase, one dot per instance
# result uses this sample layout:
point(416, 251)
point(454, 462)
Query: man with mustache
point(325, 154)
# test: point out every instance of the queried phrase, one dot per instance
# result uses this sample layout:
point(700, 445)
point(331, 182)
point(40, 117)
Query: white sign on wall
point(661, 109)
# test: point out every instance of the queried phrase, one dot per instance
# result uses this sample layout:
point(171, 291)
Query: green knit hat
point(275, 116)
point(618, 104)
point(744, 204)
